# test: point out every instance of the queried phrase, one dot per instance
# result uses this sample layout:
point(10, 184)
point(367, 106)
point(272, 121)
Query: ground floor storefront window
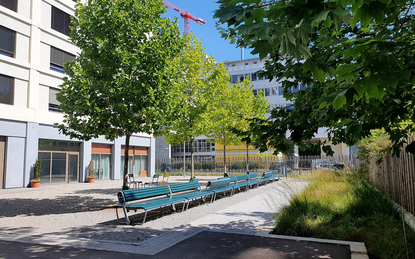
point(101, 157)
point(137, 161)
point(60, 161)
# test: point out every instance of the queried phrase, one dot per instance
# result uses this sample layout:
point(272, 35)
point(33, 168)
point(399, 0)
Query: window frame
point(55, 14)
point(57, 66)
point(11, 90)
point(14, 8)
point(8, 52)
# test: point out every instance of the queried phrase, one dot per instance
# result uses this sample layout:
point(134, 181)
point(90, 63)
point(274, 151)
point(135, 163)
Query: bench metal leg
point(145, 216)
point(127, 220)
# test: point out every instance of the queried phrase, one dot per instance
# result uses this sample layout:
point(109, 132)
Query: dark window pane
point(267, 92)
point(58, 57)
point(6, 89)
point(60, 21)
point(45, 168)
point(234, 79)
point(7, 41)
point(11, 4)
point(58, 167)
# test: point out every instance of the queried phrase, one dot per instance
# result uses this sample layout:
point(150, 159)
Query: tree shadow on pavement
point(58, 205)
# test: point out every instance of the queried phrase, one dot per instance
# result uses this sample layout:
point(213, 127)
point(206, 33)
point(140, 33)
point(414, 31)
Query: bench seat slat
point(147, 205)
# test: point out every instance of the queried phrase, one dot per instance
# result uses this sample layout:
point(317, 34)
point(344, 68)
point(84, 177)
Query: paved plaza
point(78, 220)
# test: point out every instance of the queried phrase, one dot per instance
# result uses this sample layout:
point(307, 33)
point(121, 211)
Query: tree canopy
point(197, 75)
point(119, 84)
point(346, 65)
point(231, 109)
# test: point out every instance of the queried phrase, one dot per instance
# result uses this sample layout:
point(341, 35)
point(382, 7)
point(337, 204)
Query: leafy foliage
point(231, 109)
point(353, 60)
point(37, 169)
point(374, 146)
point(119, 84)
point(198, 76)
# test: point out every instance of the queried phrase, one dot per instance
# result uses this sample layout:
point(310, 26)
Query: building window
point(280, 91)
point(58, 57)
point(255, 92)
point(7, 41)
point(255, 62)
point(101, 159)
point(296, 89)
point(241, 78)
point(10, 4)
point(253, 77)
point(274, 91)
point(53, 103)
point(234, 79)
point(267, 92)
point(246, 64)
point(60, 21)
point(60, 161)
point(6, 89)
point(137, 161)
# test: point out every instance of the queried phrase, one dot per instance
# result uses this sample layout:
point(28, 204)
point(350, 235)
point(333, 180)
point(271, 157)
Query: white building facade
point(34, 43)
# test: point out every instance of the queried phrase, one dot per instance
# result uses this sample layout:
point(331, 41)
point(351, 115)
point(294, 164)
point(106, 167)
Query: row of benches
point(171, 194)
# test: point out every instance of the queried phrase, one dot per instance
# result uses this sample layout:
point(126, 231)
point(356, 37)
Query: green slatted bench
point(268, 176)
point(220, 186)
point(276, 174)
point(254, 179)
point(238, 184)
point(242, 181)
point(192, 190)
point(137, 199)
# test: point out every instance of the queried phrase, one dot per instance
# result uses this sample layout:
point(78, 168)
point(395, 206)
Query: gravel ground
point(86, 210)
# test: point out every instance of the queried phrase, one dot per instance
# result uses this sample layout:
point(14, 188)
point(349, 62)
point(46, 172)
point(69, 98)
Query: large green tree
point(119, 83)
point(230, 111)
point(198, 77)
point(345, 65)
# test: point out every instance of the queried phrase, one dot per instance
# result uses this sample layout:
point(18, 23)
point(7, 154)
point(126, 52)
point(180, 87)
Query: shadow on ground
point(58, 205)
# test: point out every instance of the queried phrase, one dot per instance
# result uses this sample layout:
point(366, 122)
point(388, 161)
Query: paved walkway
point(238, 230)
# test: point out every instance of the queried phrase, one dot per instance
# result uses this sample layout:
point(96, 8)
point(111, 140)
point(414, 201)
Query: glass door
point(73, 167)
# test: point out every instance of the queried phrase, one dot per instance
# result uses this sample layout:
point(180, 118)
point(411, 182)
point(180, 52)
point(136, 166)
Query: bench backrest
point(232, 178)
point(268, 174)
point(136, 194)
point(253, 176)
point(242, 177)
point(181, 187)
point(217, 184)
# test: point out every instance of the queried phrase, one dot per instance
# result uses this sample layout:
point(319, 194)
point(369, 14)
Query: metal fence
point(236, 165)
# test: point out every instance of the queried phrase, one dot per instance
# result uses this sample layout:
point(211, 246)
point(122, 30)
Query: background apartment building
point(34, 44)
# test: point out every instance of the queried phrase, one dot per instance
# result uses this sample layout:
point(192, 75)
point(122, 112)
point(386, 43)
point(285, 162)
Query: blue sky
point(214, 45)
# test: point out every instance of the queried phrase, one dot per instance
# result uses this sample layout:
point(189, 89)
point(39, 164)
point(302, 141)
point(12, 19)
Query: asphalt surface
point(205, 244)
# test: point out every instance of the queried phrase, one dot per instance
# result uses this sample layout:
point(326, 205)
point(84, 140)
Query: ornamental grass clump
point(343, 206)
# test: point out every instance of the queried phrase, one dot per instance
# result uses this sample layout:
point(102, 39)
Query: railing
point(237, 165)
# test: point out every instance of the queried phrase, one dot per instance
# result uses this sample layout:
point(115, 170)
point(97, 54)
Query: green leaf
point(339, 102)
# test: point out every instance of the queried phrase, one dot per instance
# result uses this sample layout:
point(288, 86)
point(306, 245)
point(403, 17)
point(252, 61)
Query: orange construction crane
point(185, 15)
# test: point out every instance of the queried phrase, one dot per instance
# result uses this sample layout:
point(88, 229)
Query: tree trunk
point(192, 164)
point(247, 159)
point(224, 159)
point(126, 149)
